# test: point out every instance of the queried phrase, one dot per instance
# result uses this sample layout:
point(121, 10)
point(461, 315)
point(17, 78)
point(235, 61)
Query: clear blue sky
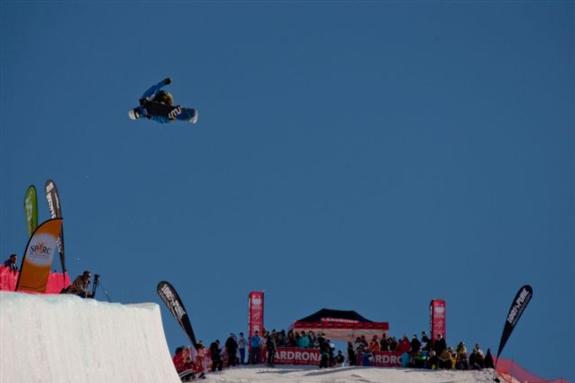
point(350, 155)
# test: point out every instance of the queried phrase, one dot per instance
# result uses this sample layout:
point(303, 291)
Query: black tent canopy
point(340, 324)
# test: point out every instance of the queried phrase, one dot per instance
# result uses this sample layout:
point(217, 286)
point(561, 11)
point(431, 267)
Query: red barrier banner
point(312, 357)
point(256, 313)
point(386, 359)
point(438, 316)
point(297, 356)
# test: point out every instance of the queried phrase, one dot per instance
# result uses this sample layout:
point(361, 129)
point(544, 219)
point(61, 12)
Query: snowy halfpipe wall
point(63, 338)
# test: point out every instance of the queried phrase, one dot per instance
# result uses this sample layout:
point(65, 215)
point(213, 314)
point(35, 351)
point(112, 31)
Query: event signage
point(31, 209)
point(438, 316)
point(172, 300)
point(56, 212)
point(386, 359)
point(256, 312)
point(38, 257)
point(519, 305)
point(312, 356)
point(297, 356)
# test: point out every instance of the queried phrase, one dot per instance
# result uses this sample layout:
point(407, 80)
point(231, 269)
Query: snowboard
point(170, 112)
point(189, 375)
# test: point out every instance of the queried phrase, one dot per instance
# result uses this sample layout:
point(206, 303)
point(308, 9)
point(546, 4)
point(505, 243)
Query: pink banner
point(438, 317)
point(256, 313)
point(56, 281)
point(7, 279)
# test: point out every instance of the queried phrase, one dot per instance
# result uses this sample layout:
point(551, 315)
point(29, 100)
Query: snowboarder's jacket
point(149, 96)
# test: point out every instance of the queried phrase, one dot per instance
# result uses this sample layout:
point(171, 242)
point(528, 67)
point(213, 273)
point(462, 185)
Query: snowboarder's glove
point(167, 81)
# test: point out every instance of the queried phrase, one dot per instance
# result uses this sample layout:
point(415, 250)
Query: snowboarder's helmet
point(164, 98)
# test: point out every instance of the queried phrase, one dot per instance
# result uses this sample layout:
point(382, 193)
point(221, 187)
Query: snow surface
point(63, 338)
point(347, 375)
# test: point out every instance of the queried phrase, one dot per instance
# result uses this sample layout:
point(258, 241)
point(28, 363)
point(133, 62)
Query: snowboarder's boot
point(134, 114)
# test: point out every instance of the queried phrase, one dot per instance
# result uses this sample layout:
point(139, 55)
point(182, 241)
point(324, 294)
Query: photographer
point(81, 285)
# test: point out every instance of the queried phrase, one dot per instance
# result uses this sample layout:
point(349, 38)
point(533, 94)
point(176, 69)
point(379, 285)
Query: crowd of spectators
point(417, 352)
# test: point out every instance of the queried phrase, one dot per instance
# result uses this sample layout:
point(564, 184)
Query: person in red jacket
point(404, 345)
point(184, 363)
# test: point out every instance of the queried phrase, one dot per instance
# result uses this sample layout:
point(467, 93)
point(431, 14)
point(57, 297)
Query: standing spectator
point(439, 345)
point(232, 350)
point(215, 353)
point(303, 341)
point(351, 357)
point(384, 343)
point(425, 342)
point(312, 339)
point(392, 344)
point(291, 339)
point(10, 263)
point(324, 353)
point(200, 363)
point(242, 347)
point(80, 286)
point(255, 345)
point(404, 345)
point(271, 347)
point(415, 345)
point(374, 345)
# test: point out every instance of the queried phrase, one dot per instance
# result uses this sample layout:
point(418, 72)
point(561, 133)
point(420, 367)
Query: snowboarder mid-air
point(158, 105)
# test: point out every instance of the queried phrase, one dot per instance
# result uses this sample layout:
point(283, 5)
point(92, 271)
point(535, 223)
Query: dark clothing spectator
point(232, 350)
point(439, 345)
point(215, 354)
point(282, 339)
point(339, 358)
point(392, 344)
point(291, 339)
point(415, 345)
point(324, 351)
point(351, 357)
point(11, 263)
point(271, 348)
point(432, 361)
point(425, 341)
point(476, 359)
